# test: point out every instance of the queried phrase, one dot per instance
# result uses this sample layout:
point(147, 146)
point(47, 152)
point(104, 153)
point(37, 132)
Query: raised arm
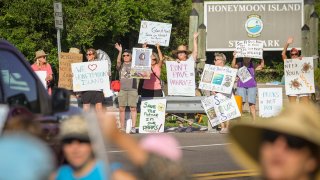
point(260, 66)
point(284, 51)
point(234, 61)
point(160, 55)
point(195, 46)
point(119, 48)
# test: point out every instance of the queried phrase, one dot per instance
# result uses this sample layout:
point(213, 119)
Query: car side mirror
point(60, 100)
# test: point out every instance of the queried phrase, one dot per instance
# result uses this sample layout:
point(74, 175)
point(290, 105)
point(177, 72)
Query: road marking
point(225, 175)
point(181, 147)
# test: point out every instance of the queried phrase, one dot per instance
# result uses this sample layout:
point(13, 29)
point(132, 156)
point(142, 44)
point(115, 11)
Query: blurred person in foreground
point(155, 157)
point(78, 152)
point(284, 147)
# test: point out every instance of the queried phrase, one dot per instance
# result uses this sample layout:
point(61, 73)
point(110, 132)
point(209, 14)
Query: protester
point(78, 152)
point(93, 96)
point(24, 156)
point(156, 157)
point(182, 54)
point(249, 88)
point(220, 60)
point(41, 64)
point(283, 147)
point(294, 54)
point(152, 87)
point(128, 95)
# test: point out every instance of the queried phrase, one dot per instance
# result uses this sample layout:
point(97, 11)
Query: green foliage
point(270, 73)
point(317, 76)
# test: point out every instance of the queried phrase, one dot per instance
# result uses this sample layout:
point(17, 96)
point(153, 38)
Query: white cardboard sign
point(155, 32)
point(270, 101)
point(152, 116)
point(249, 48)
point(42, 76)
point(181, 78)
point(244, 74)
point(299, 76)
point(90, 76)
point(218, 79)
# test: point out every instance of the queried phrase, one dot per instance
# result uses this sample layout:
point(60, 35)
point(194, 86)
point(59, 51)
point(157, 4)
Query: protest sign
point(299, 76)
point(65, 76)
point(155, 32)
point(220, 108)
point(244, 74)
point(249, 48)
point(90, 76)
point(218, 79)
point(181, 78)
point(270, 101)
point(152, 116)
point(141, 63)
point(42, 76)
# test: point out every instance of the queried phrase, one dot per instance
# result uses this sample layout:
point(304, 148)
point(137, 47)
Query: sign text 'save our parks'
point(269, 21)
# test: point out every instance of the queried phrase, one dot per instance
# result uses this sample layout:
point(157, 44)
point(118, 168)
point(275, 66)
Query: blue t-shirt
point(65, 172)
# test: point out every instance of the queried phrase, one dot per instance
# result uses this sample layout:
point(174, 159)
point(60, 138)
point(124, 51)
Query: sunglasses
point(294, 54)
point(293, 142)
point(125, 55)
point(154, 59)
point(71, 140)
point(89, 54)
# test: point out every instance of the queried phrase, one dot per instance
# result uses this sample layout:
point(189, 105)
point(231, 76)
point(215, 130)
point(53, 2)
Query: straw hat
point(74, 127)
point(298, 120)
point(181, 48)
point(40, 53)
point(74, 50)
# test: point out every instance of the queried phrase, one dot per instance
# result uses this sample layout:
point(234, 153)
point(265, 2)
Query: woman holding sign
point(41, 64)
point(92, 97)
point(248, 88)
point(294, 54)
point(152, 87)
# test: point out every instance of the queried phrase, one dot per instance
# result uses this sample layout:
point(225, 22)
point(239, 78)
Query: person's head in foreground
point(76, 145)
point(284, 147)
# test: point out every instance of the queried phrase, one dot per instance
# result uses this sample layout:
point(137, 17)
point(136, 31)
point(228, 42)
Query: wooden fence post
point(193, 27)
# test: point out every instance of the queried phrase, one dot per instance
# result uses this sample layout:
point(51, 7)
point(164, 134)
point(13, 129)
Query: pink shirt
point(46, 67)
point(153, 83)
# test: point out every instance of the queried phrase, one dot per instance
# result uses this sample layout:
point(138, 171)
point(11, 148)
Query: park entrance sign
point(269, 21)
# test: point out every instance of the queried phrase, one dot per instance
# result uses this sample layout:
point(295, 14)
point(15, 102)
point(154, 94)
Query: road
point(205, 155)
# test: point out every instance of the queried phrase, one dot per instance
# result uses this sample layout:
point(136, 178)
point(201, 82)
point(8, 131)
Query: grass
point(172, 121)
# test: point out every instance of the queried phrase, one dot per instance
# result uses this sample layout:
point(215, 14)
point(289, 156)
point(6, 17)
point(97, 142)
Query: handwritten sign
point(299, 76)
point(141, 63)
point(152, 116)
point(65, 75)
point(90, 76)
point(270, 101)
point(181, 78)
point(218, 79)
point(42, 76)
point(249, 48)
point(154, 32)
point(244, 74)
point(224, 106)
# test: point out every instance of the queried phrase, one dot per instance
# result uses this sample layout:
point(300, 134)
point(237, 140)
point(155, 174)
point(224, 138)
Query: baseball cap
point(74, 127)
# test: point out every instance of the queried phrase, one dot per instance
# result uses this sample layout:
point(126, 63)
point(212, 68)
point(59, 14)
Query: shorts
point(251, 93)
point(151, 93)
point(128, 98)
point(92, 97)
point(299, 95)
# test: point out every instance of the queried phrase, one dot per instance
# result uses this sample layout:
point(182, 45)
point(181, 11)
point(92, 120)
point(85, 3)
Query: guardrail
point(175, 104)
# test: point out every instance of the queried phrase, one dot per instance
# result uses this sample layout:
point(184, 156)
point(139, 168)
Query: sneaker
point(133, 130)
point(189, 129)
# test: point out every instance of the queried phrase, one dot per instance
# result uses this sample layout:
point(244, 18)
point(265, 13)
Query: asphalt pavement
point(205, 155)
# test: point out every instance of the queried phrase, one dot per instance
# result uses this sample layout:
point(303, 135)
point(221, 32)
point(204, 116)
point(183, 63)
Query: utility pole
point(58, 22)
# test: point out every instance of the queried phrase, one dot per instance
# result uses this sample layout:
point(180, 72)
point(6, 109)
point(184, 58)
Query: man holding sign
point(248, 89)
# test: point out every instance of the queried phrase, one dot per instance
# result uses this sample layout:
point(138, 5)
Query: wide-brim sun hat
point(40, 53)
point(302, 121)
point(74, 50)
point(181, 48)
point(74, 127)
